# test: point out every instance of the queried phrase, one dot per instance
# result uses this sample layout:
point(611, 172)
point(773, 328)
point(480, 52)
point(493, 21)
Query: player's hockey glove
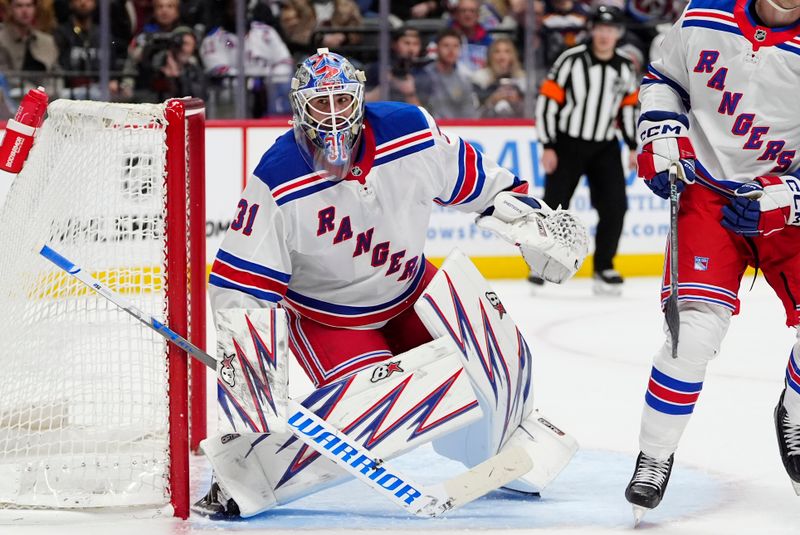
point(664, 137)
point(763, 206)
point(553, 242)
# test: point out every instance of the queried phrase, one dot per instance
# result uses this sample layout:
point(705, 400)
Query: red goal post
point(186, 240)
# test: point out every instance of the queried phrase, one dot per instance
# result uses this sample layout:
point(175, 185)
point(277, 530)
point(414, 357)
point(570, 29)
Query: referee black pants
point(601, 162)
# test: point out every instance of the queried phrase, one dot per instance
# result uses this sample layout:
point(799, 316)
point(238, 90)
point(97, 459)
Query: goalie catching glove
point(553, 242)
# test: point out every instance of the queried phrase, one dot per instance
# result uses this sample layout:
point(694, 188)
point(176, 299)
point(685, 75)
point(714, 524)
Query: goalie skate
point(648, 484)
point(788, 435)
point(217, 505)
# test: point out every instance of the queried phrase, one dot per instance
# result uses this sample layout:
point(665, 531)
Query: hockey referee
point(591, 94)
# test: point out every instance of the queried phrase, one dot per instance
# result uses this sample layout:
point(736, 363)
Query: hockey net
point(93, 405)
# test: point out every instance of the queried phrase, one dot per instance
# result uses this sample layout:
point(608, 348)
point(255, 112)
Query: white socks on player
point(792, 398)
point(675, 383)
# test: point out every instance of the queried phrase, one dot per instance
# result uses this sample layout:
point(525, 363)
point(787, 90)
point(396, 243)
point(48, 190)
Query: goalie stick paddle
point(431, 501)
point(434, 500)
point(671, 314)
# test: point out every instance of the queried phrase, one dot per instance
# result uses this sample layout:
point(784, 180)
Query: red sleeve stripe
point(470, 174)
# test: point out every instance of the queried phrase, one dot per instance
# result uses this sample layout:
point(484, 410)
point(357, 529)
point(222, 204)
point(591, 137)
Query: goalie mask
point(327, 100)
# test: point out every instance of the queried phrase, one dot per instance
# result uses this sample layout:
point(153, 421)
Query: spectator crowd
point(459, 58)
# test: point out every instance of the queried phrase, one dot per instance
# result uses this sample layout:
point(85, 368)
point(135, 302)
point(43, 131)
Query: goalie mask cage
point(94, 405)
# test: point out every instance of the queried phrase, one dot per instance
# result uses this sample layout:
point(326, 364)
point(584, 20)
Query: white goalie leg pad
point(253, 377)
point(378, 407)
point(459, 303)
point(550, 449)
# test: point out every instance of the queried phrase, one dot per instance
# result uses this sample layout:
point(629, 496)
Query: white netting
point(83, 393)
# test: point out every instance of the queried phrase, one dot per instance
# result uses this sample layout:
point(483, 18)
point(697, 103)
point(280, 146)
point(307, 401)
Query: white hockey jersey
point(350, 253)
point(738, 81)
point(265, 54)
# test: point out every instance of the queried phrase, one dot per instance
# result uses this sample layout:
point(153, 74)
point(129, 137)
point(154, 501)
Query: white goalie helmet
point(327, 98)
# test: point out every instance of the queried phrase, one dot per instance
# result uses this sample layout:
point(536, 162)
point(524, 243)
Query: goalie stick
point(431, 501)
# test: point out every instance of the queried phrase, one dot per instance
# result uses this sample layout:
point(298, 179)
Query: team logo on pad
point(227, 372)
point(384, 371)
point(496, 304)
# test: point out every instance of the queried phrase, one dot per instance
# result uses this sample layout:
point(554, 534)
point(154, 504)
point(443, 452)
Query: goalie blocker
point(469, 392)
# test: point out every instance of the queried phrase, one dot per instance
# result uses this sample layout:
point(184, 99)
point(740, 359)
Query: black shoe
point(536, 280)
point(608, 282)
point(648, 483)
point(788, 434)
point(217, 505)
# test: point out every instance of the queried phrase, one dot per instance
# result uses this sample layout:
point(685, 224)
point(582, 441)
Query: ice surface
point(592, 358)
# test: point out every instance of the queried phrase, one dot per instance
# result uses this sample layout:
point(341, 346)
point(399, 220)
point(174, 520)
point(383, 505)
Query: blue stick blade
point(58, 260)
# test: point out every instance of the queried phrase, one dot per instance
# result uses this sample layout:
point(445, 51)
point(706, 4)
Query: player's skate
point(788, 443)
point(648, 484)
point(607, 282)
point(217, 505)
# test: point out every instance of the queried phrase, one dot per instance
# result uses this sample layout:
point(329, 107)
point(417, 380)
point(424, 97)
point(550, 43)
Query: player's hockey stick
point(671, 314)
point(435, 500)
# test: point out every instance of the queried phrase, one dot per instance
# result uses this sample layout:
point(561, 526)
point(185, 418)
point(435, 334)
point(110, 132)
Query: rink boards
point(233, 148)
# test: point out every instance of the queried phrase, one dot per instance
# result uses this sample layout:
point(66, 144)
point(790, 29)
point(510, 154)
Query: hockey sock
point(792, 398)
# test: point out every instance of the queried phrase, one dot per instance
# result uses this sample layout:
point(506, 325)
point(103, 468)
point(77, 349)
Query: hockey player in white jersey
point(265, 52)
point(720, 100)
point(268, 64)
point(331, 229)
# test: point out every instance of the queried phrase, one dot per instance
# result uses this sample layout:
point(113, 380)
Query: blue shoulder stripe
point(710, 25)
point(405, 152)
point(305, 192)
point(789, 48)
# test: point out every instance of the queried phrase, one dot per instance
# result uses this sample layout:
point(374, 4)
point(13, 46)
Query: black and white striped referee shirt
point(586, 98)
